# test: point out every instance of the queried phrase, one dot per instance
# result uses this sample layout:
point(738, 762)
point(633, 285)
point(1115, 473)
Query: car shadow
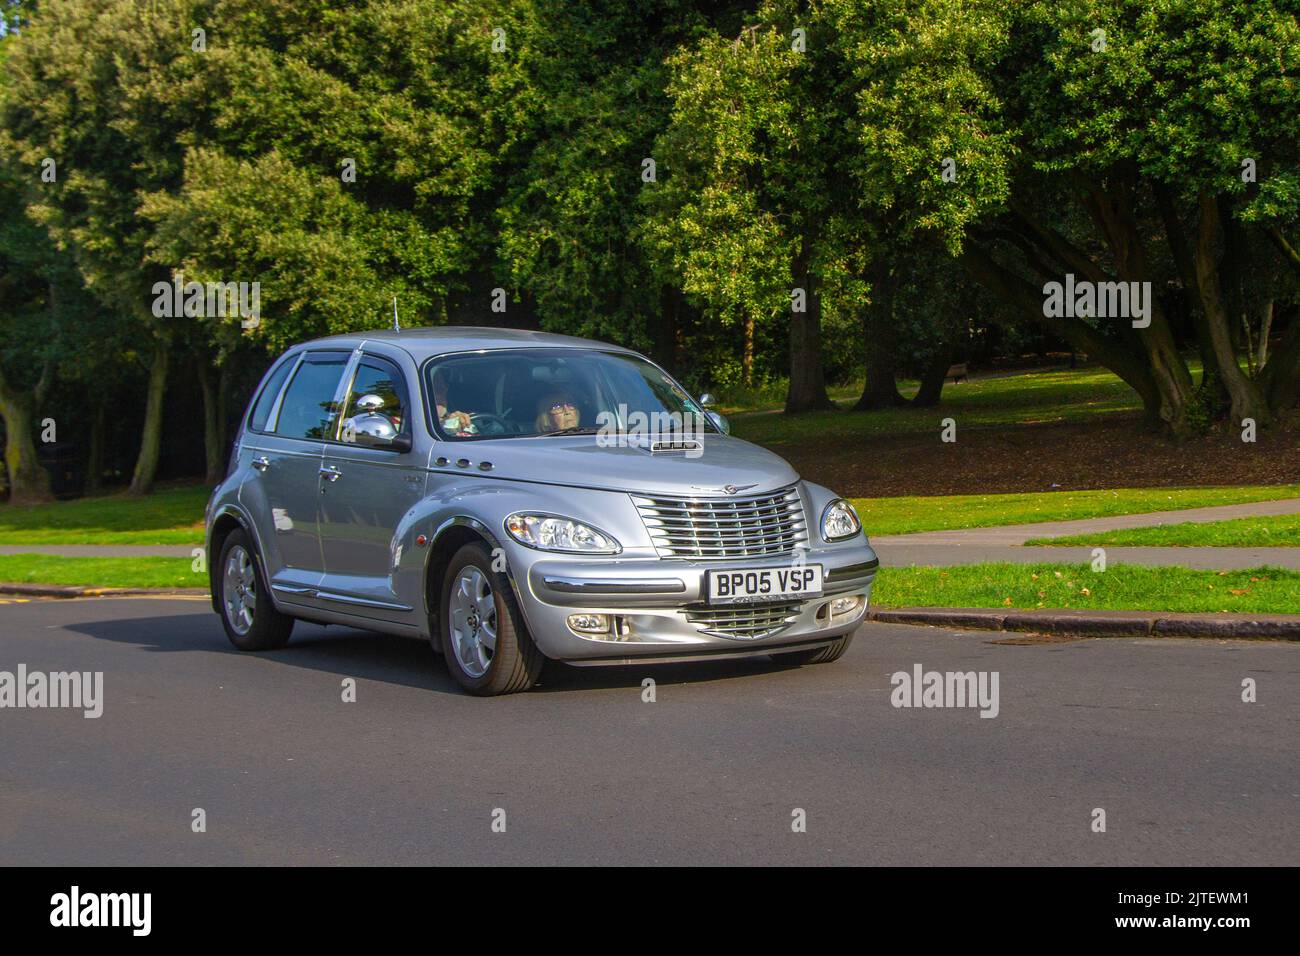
point(351, 652)
point(559, 677)
point(346, 651)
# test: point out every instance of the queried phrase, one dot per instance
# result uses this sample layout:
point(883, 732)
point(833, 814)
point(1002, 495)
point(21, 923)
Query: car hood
point(579, 461)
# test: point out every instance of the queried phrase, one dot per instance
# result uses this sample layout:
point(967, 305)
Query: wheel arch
point(452, 535)
point(226, 520)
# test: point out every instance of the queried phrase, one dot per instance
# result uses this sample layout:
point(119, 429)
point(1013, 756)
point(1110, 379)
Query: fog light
point(845, 605)
point(590, 623)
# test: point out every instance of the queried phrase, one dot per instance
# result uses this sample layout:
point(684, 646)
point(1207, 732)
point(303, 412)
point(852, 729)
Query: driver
point(557, 411)
point(459, 423)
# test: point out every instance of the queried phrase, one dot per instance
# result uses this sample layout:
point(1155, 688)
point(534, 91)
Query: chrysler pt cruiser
point(514, 497)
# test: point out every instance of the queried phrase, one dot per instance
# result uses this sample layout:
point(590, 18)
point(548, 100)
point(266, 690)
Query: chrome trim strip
point(852, 570)
point(589, 586)
point(361, 602)
point(293, 589)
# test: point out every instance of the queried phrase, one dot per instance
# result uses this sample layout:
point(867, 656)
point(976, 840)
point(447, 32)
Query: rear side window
point(266, 400)
point(309, 410)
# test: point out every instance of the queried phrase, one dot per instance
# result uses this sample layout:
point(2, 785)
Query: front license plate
point(750, 586)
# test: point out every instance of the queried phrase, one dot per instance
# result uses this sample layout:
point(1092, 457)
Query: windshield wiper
point(575, 430)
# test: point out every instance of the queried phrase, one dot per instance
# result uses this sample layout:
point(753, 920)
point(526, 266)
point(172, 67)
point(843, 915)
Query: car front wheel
point(484, 639)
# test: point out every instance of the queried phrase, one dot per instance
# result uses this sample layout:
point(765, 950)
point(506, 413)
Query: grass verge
point(168, 516)
point(1122, 587)
point(1280, 531)
point(101, 572)
point(906, 515)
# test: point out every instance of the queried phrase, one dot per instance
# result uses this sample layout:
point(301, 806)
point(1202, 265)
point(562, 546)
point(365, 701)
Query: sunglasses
point(561, 406)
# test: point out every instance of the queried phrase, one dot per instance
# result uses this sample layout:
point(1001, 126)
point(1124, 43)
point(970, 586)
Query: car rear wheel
point(818, 655)
point(251, 621)
point(484, 639)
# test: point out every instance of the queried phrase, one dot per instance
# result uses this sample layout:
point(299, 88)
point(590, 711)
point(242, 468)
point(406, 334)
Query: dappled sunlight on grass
point(168, 516)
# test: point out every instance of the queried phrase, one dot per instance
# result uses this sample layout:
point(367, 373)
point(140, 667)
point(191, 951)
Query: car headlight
point(840, 521)
point(554, 533)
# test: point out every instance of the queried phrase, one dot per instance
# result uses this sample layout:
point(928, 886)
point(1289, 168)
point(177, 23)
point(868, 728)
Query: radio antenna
point(396, 326)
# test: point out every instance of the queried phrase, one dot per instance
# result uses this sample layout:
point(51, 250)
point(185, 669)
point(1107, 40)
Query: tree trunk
point(879, 338)
point(1280, 378)
point(807, 378)
point(1265, 330)
point(146, 463)
point(1245, 395)
point(29, 483)
point(1113, 212)
point(214, 420)
point(95, 455)
point(934, 375)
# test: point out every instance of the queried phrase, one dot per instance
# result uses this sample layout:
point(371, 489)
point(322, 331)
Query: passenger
point(557, 411)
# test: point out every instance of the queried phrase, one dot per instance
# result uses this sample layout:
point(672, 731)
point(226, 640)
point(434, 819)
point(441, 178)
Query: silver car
point(514, 497)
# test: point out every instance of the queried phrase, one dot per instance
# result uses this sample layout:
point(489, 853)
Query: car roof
point(423, 343)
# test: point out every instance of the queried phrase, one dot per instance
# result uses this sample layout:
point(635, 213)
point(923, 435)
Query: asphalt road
point(1152, 731)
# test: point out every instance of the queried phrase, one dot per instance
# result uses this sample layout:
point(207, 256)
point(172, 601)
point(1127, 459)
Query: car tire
point(485, 641)
point(247, 612)
point(817, 655)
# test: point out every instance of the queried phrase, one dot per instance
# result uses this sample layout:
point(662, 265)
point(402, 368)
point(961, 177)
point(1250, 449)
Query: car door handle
point(332, 474)
point(261, 464)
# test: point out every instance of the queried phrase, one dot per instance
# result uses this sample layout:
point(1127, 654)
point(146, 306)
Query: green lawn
point(175, 515)
point(1020, 399)
point(1122, 587)
point(168, 516)
point(908, 514)
point(101, 572)
point(1280, 531)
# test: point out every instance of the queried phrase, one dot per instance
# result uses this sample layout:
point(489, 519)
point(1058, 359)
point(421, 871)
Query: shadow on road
point(372, 656)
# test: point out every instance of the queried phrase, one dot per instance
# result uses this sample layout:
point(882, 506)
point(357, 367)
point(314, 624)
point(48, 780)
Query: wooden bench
point(956, 372)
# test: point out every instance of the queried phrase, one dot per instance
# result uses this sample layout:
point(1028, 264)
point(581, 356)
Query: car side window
point(266, 400)
point(378, 388)
point(309, 409)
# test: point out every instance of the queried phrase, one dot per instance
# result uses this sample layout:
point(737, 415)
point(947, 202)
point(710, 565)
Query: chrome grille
point(746, 527)
point(746, 622)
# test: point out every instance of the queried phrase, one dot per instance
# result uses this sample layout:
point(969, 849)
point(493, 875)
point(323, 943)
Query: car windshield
point(521, 393)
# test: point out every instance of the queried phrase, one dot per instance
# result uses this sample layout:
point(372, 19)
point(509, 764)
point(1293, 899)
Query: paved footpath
point(1006, 543)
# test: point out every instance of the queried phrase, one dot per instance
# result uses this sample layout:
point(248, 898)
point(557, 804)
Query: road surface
point(583, 770)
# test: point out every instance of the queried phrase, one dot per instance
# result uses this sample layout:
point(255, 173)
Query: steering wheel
point(490, 424)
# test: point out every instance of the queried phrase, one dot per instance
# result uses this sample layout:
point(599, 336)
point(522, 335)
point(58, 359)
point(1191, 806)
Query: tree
point(755, 212)
point(1100, 140)
point(97, 89)
point(348, 164)
point(581, 97)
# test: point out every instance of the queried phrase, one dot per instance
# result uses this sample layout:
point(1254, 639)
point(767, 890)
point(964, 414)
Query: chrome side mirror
point(369, 403)
point(707, 400)
point(719, 422)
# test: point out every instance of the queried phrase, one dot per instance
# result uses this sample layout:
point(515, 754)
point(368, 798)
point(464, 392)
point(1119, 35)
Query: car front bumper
point(660, 609)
